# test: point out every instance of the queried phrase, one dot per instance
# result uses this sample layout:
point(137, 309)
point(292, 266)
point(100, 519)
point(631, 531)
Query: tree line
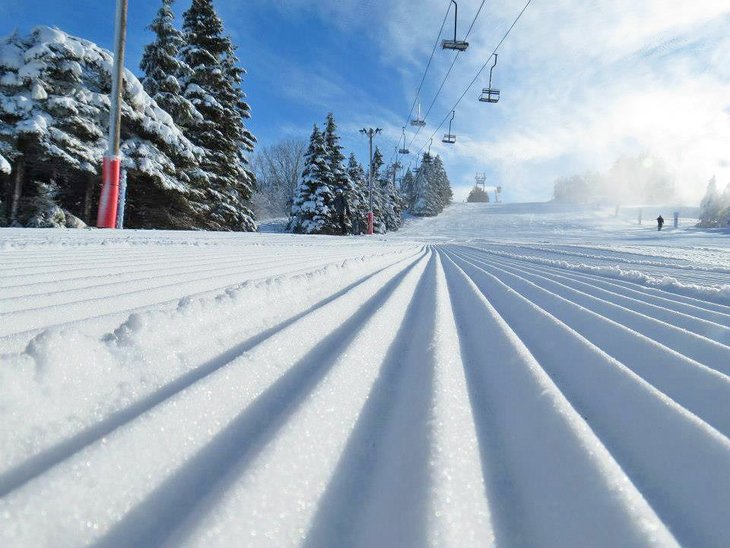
point(184, 142)
point(332, 196)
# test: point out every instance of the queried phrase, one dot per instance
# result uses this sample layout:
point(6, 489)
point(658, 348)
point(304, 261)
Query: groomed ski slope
point(510, 375)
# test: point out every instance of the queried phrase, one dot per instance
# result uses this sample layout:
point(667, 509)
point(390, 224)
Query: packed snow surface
point(516, 375)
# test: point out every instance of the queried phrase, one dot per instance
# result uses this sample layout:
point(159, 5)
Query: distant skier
point(659, 222)
point(342, 208)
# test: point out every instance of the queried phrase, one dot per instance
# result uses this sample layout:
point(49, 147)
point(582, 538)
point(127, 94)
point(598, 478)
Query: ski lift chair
point(490, 94)
point(450, 138)
point(403, 151)
point(457, 45)
point(418, 121)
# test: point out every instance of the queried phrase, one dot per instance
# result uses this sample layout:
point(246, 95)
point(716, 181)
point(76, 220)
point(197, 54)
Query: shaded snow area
point(511, 375)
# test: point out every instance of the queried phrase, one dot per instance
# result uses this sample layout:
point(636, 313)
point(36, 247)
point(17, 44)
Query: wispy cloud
point(583, 84)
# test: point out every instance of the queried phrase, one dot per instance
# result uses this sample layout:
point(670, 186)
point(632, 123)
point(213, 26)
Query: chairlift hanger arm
point(456, 16)
point(458, 45)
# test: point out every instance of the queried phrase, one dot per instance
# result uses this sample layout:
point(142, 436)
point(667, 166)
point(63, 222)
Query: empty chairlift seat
point(457, 45)
point(404, 150)
point(490, 94)
point(450, 138)
point(418, 121)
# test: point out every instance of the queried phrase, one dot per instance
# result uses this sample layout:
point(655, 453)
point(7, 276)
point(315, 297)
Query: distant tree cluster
point(428, 191)
point(715, 206)
point(184, 140)
point(478, 195)
point(630, 180)
point(332, 197)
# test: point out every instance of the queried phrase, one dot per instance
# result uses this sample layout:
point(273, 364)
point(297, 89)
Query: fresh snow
point(5, 166)
point(527, 374)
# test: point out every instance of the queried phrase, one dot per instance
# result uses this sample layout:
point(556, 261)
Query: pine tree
point(392, 201)
point(442, 183)
point(214, 88)
point(360, 203)
point(725, 207)
point(164, 70)
point(711, 206)
point(342, 181)
point(477, 195)
point(335, 156)
point(426, 196)
point(311, 211)
point(407, 186)
point(379, 226)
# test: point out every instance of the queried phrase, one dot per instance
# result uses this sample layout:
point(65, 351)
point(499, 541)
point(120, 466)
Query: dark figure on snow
point(659, 222)
point(342, 208)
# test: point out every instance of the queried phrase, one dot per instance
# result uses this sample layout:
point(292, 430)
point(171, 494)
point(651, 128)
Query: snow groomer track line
point(338, 392)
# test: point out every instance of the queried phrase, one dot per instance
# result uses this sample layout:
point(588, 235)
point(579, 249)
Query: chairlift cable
point(425, 72)
point(478, 74)
point(448, 73)
point(428, 65)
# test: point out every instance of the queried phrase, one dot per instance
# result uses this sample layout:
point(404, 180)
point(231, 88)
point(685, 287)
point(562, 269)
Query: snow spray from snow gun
point(109, 200)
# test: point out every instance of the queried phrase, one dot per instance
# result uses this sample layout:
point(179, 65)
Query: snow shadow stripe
point(392, 435)
point(668, 453)
point(38, 464)
point(175, 506)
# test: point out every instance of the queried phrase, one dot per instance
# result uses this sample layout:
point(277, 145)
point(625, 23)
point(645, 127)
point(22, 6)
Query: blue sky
point(582, 82)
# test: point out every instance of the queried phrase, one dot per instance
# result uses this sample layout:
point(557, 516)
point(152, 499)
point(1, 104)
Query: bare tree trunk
point(88, 195)
point(19, 171)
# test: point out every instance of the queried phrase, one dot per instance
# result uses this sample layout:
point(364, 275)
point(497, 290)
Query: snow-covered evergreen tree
point(442, 183)
point(378, 199)
point(214, 88)
point(407, 188)
point(336, 157)
point(477, 195)
point(429, 191)
point(725, 206)
point(341, 178)
point(711, 206)
point(426, 195)
point(360, 203)
point(392, 201)
point(54, 114)
point(164, 70)
point(312, 211)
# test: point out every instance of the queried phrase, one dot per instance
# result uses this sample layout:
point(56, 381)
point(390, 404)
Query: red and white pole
point(109, 200)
